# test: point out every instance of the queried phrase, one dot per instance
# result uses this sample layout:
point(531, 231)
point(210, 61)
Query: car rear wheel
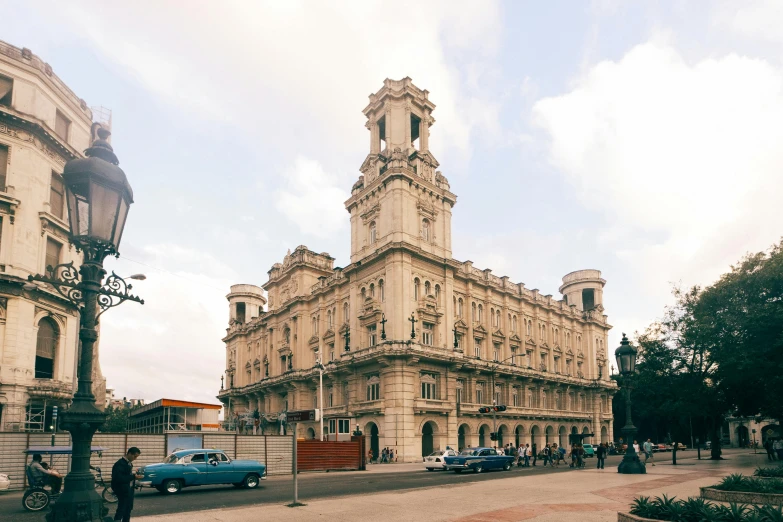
point(478, 469)
point(172, 486)
point(251, 481)
point(430, 469)
point(506, 466)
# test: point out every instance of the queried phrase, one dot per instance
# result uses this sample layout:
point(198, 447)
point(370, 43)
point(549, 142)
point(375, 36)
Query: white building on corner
point(43, 124)
point(477, 338)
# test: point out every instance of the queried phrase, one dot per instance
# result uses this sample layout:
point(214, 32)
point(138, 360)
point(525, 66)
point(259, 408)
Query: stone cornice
point(35, 133)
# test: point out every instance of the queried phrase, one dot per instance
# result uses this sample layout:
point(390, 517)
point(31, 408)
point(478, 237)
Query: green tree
point(116, 420)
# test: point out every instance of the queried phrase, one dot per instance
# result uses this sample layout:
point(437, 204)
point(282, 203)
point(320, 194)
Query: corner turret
point(584, 289)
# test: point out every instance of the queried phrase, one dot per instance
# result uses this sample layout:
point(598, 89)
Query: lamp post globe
point(626, 362)
point(98, 196)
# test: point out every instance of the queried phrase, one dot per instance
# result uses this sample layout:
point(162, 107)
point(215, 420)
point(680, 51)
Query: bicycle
point(108, 494)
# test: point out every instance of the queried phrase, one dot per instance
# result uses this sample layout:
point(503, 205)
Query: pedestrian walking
point(521, 455)
point(384, 455)
point(391, 455)
point(534, 453)
point(123, 481)
point(600, 455)
point(528, 453)
point(648, 452)
point(769, 448)
point(778, 447)
point(369, 456)
point(636, 448)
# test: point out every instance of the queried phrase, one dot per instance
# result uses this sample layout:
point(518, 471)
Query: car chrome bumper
point(144, 483)
point(457, 466)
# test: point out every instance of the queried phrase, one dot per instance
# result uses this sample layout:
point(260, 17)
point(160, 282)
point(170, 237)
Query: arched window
point(497, 319)
point(427, 288)
point(425, 230)
point(372, 233)
point(529, 328)
point(364, 295)
point(329, 318)
point(480, 313)
point(416, 289)
point(345, 312)
point(437, 294)
point(473, 316)
point(579, 343)
point(372, 290)
point(514, 323)
point(381, 290)
point(46, 348)
point(459, 307)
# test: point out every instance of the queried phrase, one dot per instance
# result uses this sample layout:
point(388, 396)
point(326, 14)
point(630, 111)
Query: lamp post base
point(632, 466)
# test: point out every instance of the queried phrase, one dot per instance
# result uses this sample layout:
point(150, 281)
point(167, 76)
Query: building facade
point(171, 415)
point(43, 124)
point(414, 341)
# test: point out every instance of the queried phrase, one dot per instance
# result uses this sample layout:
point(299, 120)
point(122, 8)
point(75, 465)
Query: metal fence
point(273, 450)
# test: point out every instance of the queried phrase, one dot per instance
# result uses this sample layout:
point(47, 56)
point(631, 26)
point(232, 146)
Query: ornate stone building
point(43, 124)
point(477, 338)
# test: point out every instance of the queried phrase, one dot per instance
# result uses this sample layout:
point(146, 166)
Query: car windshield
point(171, 459)
point(435, 454)
point(470, 452)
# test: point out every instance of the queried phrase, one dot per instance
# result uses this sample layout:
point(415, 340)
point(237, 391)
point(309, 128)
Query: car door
point(221, 469)
point(195, 470)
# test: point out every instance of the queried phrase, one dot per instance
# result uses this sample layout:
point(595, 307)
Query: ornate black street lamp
point(626, 360)
point(98, 196)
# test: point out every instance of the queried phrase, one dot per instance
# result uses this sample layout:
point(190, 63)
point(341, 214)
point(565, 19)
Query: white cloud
point(296, 73)
point(758, 19)
point(170, 346)
point(313, 198)
point(683, 159)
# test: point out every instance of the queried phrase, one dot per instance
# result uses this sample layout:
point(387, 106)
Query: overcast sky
point(641, 138)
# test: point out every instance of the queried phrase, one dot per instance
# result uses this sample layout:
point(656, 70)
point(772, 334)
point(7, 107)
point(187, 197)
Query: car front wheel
point(251, 481)
point(506, 466)
point(172, 486)
point(478, 469)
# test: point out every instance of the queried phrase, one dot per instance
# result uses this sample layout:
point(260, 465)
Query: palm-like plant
point(732, 513)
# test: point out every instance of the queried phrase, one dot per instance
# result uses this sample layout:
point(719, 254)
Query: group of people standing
point(387, 456)
point(774, 448)
point(552, 454)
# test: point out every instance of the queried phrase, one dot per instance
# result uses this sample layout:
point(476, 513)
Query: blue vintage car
point(478, 460)
point(200, 467)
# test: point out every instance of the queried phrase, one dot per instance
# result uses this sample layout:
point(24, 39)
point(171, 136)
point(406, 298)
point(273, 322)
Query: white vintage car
point(435, 460)
point(5, 482)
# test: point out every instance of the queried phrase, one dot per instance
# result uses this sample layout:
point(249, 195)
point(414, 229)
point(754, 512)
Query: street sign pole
point(296, 478)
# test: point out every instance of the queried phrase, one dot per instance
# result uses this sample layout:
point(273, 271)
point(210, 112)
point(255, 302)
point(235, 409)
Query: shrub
point(699, 510)
point(738, 482)
point(776, 472)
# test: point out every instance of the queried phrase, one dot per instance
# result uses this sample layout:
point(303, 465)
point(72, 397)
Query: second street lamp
point(626, 360)
point(99, 197)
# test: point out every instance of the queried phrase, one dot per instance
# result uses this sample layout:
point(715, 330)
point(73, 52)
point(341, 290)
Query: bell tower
point(400, 196)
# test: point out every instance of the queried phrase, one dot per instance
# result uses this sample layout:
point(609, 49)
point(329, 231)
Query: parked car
point(659, 447)
point(436, 459)
point(5, 482)
point(589, 450)
point(201, 467)
point(478, 460)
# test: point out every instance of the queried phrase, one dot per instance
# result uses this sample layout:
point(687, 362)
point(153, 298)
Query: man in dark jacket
point(122, 482)
point(600, 455)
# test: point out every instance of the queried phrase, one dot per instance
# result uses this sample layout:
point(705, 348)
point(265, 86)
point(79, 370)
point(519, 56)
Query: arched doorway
point(563, 437)
point(426, 439)
point(517, 436)
point(310, 434)
point(550, 434)
point(604, 434)
point(742, 436)
point(535, 437)
point(483, 430)
point(462, 437)
point(501, 436)
point(371, 431)
point(585, 431)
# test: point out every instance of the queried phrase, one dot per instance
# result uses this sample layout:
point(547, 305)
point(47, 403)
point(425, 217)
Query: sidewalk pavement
point(596, 495)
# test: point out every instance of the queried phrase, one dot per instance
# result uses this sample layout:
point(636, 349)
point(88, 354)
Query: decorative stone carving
point(28, 137)
point(358, 185)
point(441, 181)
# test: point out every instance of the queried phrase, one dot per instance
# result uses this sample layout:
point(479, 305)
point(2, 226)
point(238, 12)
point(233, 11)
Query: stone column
point(424, 132)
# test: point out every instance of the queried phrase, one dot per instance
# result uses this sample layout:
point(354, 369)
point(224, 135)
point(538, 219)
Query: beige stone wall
point(35, 151)
point(401, 264)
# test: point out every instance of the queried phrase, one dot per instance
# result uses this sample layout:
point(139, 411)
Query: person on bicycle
point(46, 477)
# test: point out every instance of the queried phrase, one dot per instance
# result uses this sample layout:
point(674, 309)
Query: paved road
point(278, 490)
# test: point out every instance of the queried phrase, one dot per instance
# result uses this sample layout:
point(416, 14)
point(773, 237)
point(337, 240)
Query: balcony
point(365, 407)
point(432, 406)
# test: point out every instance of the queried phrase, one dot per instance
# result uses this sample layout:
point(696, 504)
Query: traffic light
point(485, 409)
point(493, 436)
point(500, 407)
